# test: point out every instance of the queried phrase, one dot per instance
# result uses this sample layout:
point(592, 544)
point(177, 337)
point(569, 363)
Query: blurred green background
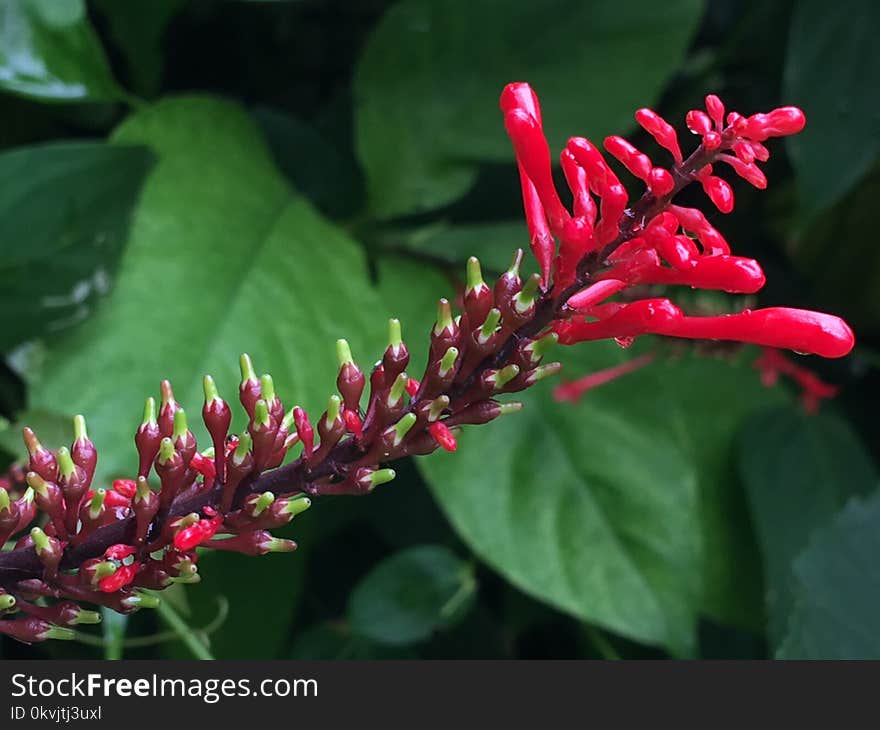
point(181, 181)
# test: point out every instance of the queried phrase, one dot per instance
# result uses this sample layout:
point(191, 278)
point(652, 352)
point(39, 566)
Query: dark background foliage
point(181, 181)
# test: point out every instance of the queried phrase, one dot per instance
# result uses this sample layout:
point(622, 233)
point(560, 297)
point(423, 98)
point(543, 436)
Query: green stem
point(113, 625)
point(603, 646)
point(183, 631)
point(162, 637)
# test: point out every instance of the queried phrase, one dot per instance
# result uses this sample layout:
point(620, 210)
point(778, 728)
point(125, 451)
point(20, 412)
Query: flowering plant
point(82, 543)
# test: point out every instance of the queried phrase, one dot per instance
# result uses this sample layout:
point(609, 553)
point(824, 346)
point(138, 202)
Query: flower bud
point(171, 470)
point(239, 464)
point(118, 579)
point(217, 417)
point(72, 480)
point(167, 410)
point(662, 132)
point(184, 441)
point(478, 299)
point(249, 389)
point(331, 428)
point(64, 613)
point(304, 430)
point(49, 551)
point(83, 451)
point(637, 163)
point(48, 499)
point(32, 629)
point(777, 123)
point(443, 436)
point(715, 107)
point(92, 514)
point(263, 429)
point(396, 356)
point(353, 424)
point(698, 122)
point(508, 284)
point(7, 602)
point(9, 516)
point(481, 412)
point(445, 333)
point(367, 479)
point(351, 381)
point(256, 542)
point(145, 507)
point(147, 438)
point(93, 570)
point(719, 192)
point(42, 461)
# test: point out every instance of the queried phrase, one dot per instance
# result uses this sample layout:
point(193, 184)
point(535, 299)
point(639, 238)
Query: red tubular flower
point(661, 130)
point(732, 274)
point(574, 390)
point(791, 329)
point(596, 293)
point(534, 156)
point(719, 192)
point(772, 363)
point(646, 316)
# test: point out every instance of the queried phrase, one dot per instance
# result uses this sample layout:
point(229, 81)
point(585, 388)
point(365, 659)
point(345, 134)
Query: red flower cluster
point(104, 546)
point(606, 248)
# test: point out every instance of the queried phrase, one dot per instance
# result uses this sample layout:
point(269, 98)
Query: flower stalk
point(108, 546)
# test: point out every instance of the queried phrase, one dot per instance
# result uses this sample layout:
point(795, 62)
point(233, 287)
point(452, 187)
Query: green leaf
point(316, 167)
point(593, 509)
point(710, 400)
point(837, 594)
point(53, 430)
point(408, 596)
point(223, 258)
point(842, 138)
point(63, 224)
point(841, 262)
point(137, 27)
point(492, 243)
point(798, 471)
point(428, 83)
point(49, 51)
point(335, 641)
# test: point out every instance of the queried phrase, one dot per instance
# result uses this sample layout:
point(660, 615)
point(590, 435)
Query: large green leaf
point(49, 51)
point(428, 83)
point(62, 226)
point(409, 595)
point(798, 471)
point(594, 509)
point(837, 594)
point(842, 137)
point(223, 258)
